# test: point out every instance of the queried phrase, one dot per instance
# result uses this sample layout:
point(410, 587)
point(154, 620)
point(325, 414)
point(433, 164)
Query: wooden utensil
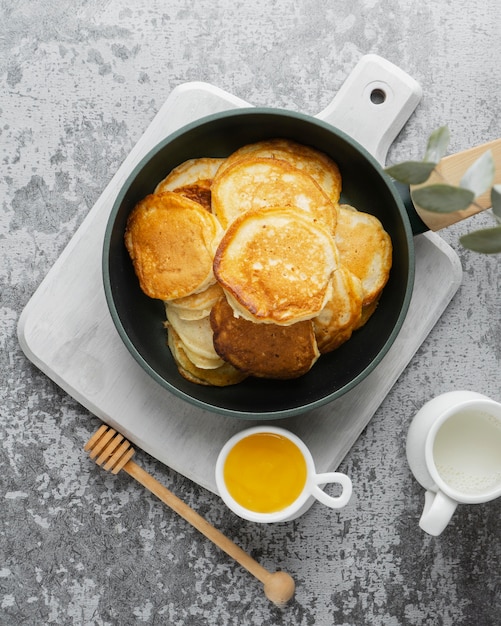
point(111, 451)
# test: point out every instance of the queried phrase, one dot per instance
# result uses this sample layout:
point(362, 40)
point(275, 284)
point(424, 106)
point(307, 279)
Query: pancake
point(171, 241)
point(190, 172)
point(192, 179)
point(260, 182)
point(196, 336)
point(275, 264)
point(342, 313)
point(365, 249)
point(222, 376)
point(197, 305)
point(367, 311)
point(198, 192)
point(263, 350)
point(315, 163)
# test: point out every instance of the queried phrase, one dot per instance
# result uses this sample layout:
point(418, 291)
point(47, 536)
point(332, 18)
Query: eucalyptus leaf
point(411, 172)
point(437, 144)
point(496, 201)
point(442, 198)
point(479, 176)
point(486, 241)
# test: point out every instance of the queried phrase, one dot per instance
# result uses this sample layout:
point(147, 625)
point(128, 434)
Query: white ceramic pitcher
point(454, 451)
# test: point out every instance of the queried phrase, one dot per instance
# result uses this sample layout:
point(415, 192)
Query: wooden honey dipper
point(113, 452)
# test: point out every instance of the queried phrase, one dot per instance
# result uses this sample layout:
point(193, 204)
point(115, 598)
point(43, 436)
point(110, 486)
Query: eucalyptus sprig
point(444, 198)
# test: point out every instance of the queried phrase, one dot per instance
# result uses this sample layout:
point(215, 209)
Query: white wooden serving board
point(66, 329)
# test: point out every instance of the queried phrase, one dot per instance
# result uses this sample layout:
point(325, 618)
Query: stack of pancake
point(260, 268)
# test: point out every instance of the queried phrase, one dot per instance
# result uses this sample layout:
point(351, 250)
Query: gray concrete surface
point(80, 82)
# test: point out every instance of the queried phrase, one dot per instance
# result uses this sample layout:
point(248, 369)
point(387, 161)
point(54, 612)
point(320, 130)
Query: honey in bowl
point(265, 472)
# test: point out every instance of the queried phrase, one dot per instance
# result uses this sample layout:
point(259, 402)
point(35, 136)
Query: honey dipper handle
point(191, 516)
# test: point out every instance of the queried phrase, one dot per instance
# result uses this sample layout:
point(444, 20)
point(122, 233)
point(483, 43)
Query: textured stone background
point(80, 82)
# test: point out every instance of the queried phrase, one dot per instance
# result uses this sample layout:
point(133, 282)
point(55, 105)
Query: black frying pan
point(139, 319)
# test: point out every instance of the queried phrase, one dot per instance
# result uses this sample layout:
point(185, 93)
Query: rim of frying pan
point(257, 414)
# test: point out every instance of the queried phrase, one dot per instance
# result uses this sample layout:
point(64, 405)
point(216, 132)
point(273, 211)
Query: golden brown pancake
point(263, 350)
point(171, 241)
point(315, 163)
point(197, 305)
point(260, 182)
point(192, 179)
point(365, 249)
point(222, 376)
point(198, 192)
point(275, 264)
point(367, 311)
point(190, 172)
point(196, 336)
point(342, 313)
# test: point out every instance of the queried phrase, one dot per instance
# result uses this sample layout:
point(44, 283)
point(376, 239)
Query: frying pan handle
point(373, 104)
point(451, 169)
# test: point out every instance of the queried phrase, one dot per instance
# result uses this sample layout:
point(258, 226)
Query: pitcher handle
point(437, 512)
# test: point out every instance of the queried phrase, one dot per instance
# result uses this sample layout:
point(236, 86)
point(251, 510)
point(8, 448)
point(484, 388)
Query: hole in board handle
point(378, 96)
